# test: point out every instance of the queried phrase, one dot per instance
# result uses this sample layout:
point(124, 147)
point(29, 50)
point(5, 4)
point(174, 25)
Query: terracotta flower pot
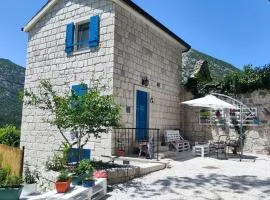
point(100, 174)
point(62, 187)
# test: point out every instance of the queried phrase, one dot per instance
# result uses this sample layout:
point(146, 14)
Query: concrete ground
point(201, 178)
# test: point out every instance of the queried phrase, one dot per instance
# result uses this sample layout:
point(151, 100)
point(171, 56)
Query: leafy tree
point(82, 115)
point(247, 80)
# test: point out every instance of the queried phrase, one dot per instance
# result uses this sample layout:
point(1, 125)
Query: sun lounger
point(175, 141)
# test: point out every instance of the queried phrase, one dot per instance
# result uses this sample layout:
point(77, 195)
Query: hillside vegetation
point(11, 83)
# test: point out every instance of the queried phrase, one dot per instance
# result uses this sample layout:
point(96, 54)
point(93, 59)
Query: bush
point(7, 179)
point(85, 169)
point(57, 163)
point(10, 135)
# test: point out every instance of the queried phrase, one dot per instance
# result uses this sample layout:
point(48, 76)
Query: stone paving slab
point(201, 178)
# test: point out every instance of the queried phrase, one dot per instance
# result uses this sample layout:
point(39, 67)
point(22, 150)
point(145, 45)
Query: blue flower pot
point(88, 184)
point(76, 180)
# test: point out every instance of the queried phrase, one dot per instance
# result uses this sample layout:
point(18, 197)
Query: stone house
point(112, 40)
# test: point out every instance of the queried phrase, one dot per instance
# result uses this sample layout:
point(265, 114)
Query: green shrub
point(13, 181)
point(10, 135)
point(85, 169)
point(31, 177)
point(57, 163)
point(3, 175)
point(7, 179)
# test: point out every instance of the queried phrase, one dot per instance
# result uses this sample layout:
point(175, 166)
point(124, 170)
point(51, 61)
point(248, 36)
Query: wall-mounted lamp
point(145, 81)
point(151, 100)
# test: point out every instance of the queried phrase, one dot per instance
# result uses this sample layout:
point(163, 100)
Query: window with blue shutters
point(83, 35)
point(70, 38)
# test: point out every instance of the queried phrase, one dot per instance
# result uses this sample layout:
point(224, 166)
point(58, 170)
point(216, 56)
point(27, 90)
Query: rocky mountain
point(11, 84)
point(217, 68)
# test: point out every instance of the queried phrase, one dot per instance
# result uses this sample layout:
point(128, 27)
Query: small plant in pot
point(30, 179)
point(84, 170)
point(62, 183)
point(10, 185)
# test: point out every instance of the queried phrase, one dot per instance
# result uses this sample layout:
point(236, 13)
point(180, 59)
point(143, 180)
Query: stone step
point(166, 154)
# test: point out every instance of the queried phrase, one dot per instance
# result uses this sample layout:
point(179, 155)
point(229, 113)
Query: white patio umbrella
point(209, 101)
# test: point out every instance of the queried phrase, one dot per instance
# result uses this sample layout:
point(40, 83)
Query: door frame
point(136, 88)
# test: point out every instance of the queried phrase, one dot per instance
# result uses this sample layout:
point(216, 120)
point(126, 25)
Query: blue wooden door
point(141, 115)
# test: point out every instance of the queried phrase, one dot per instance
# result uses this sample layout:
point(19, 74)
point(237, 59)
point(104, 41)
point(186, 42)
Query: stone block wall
point(46, 59)
point(257, 137)
point(142, 51)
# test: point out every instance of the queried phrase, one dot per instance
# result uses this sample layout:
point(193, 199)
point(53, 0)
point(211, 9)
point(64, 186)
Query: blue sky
point(236, 31)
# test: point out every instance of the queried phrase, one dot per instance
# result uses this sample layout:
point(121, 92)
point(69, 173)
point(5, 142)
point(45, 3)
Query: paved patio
point(201, 178)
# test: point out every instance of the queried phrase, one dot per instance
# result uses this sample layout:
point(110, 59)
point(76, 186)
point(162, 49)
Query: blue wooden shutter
point(94, 31)
point(79, 90)
point(70, 38)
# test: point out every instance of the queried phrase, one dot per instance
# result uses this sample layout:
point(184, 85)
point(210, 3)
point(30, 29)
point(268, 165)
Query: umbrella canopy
point(209, 101)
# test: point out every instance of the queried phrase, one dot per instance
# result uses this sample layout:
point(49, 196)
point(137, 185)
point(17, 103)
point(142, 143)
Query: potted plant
point(84, 170)
point(30, 179)
point(75, 179)
point(88, 182)
point(62, 183)
point(10, 185)
point(100, 174)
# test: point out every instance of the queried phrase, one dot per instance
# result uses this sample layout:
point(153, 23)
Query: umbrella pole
point(241, 132)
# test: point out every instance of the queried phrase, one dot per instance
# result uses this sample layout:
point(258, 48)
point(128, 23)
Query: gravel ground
point(201, 178)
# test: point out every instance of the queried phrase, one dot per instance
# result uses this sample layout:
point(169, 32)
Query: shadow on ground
point(213, 184)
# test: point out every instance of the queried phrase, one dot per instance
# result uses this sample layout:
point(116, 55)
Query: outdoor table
point(201, 150)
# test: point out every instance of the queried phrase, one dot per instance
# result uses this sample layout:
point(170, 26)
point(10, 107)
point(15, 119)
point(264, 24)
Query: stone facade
point(140, 51)
point(129, 50)
point(47, 59)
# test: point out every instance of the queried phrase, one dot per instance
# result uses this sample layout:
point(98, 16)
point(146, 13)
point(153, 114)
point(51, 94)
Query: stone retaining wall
point(257, 137)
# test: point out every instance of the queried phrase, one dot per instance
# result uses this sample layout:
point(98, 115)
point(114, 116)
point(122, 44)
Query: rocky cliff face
point(11, 83)
point(218, 68)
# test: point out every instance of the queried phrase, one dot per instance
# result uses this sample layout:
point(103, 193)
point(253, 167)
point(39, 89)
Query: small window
point(83, 36)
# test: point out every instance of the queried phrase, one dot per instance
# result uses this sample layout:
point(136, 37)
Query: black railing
point(137, 141)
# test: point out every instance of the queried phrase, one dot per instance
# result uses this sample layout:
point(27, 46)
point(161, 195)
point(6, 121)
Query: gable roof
point(128, 3)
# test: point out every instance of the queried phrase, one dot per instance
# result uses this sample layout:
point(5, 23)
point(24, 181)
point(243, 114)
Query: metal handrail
point(126, 136)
